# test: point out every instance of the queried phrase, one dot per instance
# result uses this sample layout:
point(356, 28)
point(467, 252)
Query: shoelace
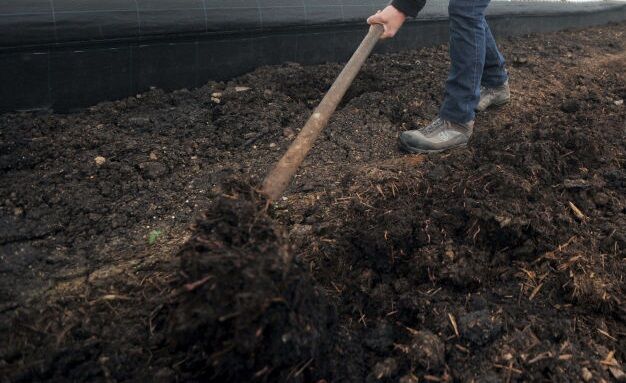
point(436, 124)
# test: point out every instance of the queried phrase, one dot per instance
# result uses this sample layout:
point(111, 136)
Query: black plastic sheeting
point(66, 54)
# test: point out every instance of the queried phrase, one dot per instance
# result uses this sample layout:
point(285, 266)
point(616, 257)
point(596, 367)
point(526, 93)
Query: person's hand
point(390, 18)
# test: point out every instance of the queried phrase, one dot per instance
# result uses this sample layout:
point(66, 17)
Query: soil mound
point(248, 310)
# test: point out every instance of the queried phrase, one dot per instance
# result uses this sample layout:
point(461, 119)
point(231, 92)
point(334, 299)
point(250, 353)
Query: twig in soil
point(535, 292)
point(579, 214)
point(569, 263)
point(194, 285)
point(509, 368)
point(462, 349)
point(307, 364)
point(610, 360)
point(111, 297)
point(362, 319)
point(454, 325)
point(475, 234)
point(606, 334)
point(541, 356)
point(560, 248)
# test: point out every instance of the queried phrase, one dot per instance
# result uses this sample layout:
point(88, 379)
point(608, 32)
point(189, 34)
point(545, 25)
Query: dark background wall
point(82, 51)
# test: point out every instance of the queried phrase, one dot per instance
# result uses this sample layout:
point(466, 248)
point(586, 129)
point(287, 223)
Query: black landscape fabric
point(63, 55)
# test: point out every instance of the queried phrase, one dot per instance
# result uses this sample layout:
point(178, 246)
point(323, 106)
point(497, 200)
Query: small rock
point(18, 211)
point(152, 170)
point(479, 327)
point(619, 102)
point(426, 350)
point(272, 145)
point(216, 94)
point(100, 160)
point(450, 254)
point(288, 133)
point(153, 156)
point(241, 88)
point(586, 374)
point(570, 106)
point(385, 369)
point(216, 100)
point(520, 60)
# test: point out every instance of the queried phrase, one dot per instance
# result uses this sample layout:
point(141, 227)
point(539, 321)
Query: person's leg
point(467, 55)
point(494, 73)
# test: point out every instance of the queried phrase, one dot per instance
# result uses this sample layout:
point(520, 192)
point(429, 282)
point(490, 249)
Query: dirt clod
point(480, 327)
point(426, 350)
point(248, 309)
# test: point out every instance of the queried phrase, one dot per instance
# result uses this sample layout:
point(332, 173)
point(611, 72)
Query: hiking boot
point(440, 135)
point(497, 96)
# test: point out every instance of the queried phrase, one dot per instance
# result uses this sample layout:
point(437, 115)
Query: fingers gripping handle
point(279, 177)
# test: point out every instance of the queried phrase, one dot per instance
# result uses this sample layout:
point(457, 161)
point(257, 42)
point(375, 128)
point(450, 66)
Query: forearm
point(409, 7)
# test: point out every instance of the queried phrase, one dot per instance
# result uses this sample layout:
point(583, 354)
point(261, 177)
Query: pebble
point(288, 133)
point(241, 88)
point(153, 156)
point(520, 60)
point(427, 350)
point(100, 160)
point(586, 374)
point(619, 102)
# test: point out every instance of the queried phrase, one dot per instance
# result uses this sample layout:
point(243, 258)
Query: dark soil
point(124, 257)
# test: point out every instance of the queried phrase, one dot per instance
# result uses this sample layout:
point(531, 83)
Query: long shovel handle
point(278, 179)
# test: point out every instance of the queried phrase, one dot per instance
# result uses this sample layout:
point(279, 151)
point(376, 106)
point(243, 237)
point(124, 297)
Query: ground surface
point(503, 261)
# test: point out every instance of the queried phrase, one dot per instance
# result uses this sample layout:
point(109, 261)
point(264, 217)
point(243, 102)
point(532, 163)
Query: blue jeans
point(475, 60)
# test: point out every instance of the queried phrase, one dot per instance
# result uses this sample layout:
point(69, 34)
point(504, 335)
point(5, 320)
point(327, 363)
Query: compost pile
point(134, 246)
point(248, 310)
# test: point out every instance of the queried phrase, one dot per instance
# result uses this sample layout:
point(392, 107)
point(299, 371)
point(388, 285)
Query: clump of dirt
point(248, 310)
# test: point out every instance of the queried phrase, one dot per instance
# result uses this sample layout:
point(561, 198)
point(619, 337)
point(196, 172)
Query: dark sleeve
point(409, 7)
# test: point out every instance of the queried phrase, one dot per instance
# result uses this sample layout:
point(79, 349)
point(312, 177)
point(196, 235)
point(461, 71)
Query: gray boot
point(440, 135)
point(493, 96)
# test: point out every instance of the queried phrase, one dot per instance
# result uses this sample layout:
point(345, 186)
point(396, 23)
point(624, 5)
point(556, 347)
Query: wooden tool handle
point(278, 179)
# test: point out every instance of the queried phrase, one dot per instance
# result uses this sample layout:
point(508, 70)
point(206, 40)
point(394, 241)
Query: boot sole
point(495, 105)
point(413, 150)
